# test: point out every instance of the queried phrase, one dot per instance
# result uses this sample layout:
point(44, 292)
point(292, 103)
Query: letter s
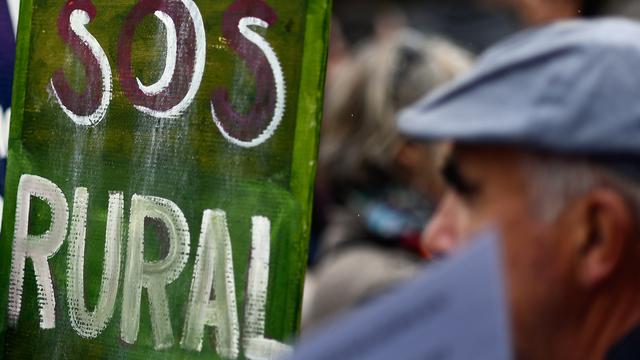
point(263, 119)
point(89, 107)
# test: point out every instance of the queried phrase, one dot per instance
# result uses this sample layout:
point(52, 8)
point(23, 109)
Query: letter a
point(213, 268)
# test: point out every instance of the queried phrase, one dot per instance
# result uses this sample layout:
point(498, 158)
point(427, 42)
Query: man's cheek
point(472, 221)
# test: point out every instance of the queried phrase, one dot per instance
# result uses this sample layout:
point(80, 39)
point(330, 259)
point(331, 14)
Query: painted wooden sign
point(160, 170)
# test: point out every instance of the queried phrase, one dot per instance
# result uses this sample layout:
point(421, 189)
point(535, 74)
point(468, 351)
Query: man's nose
point(440, 237)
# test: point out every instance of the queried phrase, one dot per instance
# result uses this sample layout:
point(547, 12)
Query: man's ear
point(607, 223)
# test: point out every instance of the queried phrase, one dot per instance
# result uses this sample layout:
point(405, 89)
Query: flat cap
point(571, 87)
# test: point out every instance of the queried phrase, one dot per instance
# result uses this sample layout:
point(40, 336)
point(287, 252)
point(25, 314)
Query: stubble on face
point(494, 191)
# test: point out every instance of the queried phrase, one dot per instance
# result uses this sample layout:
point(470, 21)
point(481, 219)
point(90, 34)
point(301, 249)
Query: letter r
point(37, 247)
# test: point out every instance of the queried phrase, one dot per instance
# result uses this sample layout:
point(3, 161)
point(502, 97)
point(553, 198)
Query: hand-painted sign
point(158, 188)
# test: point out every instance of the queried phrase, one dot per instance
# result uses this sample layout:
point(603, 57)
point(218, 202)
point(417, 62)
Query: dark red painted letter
point(260, 123)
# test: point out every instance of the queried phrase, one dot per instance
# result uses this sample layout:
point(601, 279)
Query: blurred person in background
point(473, 24)
point(381, 193)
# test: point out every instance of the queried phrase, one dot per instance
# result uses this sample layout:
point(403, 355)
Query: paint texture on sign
point(159, 182)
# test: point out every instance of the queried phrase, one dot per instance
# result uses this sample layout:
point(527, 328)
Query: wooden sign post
point(159, 182)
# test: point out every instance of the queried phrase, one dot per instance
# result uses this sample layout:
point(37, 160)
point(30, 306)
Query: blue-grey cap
point(571, 88)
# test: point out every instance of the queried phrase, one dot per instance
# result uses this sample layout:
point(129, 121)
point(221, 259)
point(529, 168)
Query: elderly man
point(546, 148)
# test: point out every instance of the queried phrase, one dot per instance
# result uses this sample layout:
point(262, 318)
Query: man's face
point(491, 189)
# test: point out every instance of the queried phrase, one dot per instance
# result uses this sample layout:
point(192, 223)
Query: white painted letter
point(213, 268)
point(5, 117)
point(256, 346)
point(170, 64)
point(37, 247)
point(154, 276)
point(90, 324)
point(170, 96)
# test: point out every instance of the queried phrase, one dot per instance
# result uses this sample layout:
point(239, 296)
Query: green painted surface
point(185, 160)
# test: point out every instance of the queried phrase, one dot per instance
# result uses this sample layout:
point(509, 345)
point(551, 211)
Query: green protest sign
point(159, 182)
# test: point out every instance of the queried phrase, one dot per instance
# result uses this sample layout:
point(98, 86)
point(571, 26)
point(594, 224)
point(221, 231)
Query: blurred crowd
point(381, 209)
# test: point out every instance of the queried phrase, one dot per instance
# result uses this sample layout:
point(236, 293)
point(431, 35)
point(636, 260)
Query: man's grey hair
point(556, 181)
